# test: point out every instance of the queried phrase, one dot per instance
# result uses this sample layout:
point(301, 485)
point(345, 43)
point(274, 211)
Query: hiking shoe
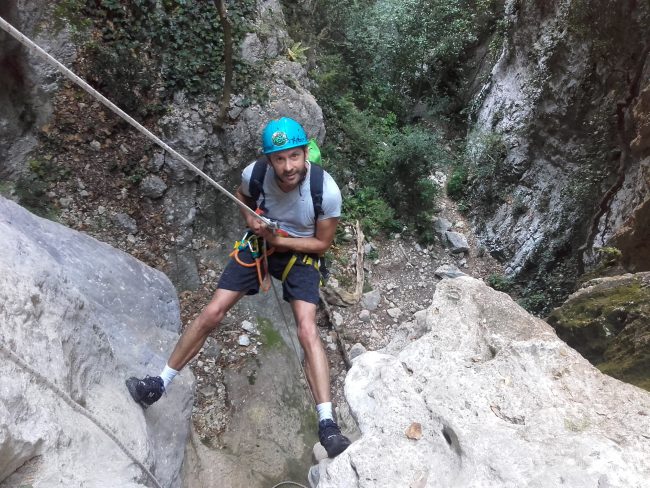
point(331, 438)
point(146, 391)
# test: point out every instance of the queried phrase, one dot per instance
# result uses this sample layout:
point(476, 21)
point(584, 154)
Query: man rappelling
point(305, 203)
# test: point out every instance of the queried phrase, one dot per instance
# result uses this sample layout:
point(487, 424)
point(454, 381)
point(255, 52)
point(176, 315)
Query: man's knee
point(308, 332)
point(211, 316)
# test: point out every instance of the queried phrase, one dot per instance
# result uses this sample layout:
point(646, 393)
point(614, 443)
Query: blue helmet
point(282, 134)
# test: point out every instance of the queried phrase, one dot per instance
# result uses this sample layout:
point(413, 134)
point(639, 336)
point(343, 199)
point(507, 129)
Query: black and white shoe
point(146, 391)
point(331, 438)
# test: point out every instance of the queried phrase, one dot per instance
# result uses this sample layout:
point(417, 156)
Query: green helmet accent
point(281, 134)
point(314, 152)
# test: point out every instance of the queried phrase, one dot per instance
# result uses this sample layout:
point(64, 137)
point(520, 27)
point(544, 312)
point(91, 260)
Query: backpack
point(255, 186)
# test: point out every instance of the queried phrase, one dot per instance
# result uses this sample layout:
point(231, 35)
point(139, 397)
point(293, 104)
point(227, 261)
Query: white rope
point(292, 483)
point(21, 363)
point(32, 46)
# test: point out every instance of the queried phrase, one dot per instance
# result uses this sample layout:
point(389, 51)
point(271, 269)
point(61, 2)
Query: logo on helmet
point(279, 138)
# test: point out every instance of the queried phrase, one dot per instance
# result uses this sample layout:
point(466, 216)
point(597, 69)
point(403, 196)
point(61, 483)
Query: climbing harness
point(260, 255)
point(21, 363)
point(33, 47)
point(304, 258)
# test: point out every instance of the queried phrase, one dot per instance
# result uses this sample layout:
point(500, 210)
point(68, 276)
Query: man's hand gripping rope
point(261, 229)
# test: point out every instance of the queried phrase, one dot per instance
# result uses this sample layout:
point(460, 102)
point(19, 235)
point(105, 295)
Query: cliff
point(559, 138)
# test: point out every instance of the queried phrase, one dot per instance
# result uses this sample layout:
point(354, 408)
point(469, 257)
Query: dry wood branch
point(343, 298)
point(347, 298)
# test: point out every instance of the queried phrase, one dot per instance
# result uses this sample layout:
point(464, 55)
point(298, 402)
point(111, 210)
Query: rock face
point(500, 401)
point(608, 321)
point(85, 316)
point(27, 83)
point(558, 136)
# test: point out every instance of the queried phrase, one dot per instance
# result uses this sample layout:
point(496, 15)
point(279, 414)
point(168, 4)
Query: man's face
point(289, 166)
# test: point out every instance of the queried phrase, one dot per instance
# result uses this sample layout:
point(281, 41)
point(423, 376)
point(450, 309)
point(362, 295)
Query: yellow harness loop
point(308, 260)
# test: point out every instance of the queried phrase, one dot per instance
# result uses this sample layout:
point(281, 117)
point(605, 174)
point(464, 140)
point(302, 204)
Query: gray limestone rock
point(541, 87)
point(394, 312)
point(86, 316)
point(501, 401)
point(152, 186)
point(440, 226)
point(370, 300)
point(457, 242)
point(356, 351)
point(448, 271)
point(125, 222)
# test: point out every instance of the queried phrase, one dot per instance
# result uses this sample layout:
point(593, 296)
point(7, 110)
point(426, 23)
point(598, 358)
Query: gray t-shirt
point(294, 210)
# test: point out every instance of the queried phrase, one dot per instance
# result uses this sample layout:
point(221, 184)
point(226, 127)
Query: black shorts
point(302, 282)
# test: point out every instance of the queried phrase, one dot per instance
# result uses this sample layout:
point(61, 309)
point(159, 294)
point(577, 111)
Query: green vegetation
point(142, 51)
point(374, 214)
point(500, 282)
point(373, 62)
point(410, 50)
point(457, 182)
point(268, 335)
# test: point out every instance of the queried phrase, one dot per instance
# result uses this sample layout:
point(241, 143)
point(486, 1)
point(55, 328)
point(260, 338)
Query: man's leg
point(193, 338)
point(316, 367)
point(148, 390)
point(318, 377)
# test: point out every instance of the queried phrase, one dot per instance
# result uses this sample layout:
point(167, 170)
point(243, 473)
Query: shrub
point(457, 183)
point(374, 214)
point(144, 48)
point(500, 282)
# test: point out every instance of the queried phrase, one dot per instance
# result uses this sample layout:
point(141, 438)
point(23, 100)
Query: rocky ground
point(400, 279)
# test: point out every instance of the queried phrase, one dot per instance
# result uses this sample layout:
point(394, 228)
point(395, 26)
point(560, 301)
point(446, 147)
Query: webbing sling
point(307, 259)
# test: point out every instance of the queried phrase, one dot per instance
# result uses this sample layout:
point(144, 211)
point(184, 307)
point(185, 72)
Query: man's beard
point(302, 175)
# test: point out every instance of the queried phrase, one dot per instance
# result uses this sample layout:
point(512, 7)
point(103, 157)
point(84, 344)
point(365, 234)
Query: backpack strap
point(316, 186)
point(256, 183)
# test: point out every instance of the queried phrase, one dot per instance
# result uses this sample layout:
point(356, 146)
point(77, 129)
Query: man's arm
point(253, 223)
point(321, 242)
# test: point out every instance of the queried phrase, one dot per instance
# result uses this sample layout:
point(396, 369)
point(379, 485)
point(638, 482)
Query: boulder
point(500, 402)
point(440, 226)
point(77, 318)
point(457, 242)
point(608, 321)
point(448, 271)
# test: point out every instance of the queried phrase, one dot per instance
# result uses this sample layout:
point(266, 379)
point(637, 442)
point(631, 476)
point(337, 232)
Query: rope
point(32, 46)
point(293, 343)
point(293, 483)
point(77, 408)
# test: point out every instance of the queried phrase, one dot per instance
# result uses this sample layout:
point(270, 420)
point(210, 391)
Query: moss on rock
point(608, 322)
